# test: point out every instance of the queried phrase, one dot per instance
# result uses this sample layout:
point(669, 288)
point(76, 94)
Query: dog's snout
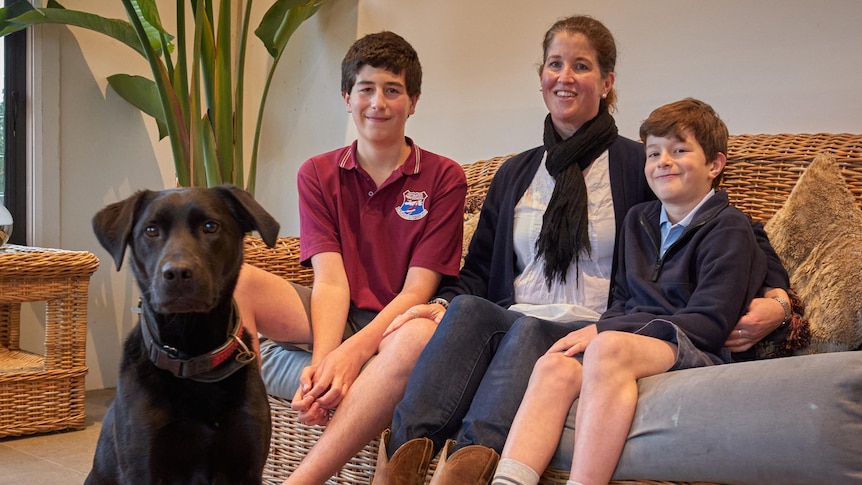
point(174, 271)
point(182, 285)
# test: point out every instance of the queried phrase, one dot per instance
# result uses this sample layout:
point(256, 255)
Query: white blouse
point(585, 294)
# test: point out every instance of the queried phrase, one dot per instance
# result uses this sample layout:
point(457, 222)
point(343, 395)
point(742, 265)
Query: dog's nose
point(172, 271)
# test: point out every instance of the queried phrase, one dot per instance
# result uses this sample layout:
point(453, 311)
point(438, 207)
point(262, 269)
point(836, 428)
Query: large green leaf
point(22, 14)
point(114, 28)
point(148, 12)
point(15, 10)
point(281, 21)
point(142, 94)
point(278, 24)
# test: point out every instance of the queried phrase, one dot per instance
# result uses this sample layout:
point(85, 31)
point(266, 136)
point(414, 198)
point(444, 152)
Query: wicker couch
point(762, 171)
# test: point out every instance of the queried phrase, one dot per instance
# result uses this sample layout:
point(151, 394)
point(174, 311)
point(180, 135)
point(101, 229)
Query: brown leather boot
point(408, 465)
point(471, 465)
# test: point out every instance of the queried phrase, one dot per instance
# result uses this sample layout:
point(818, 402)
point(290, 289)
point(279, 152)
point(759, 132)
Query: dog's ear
point(113, 224)
point(249, 213)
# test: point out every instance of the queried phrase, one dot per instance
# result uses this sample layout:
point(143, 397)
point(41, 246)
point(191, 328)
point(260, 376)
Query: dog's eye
point(152, 231)
point(211, 227)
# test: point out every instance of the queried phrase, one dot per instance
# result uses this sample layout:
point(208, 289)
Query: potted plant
point(196, 94)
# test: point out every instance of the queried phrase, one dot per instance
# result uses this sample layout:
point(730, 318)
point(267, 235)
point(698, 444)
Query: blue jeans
point(471, 377)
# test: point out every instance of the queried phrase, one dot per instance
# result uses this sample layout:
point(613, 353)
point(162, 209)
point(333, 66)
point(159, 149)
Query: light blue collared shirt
point(671, 232)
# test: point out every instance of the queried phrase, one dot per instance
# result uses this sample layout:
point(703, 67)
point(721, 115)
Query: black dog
point(190, 406)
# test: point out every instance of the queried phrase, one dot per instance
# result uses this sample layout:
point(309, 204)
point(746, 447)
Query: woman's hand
point(433, 311)
point(575, 342)
point(762, 317)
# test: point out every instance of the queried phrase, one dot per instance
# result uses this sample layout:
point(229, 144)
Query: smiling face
point(380, 105)
point(572, 82)
point(678, 172)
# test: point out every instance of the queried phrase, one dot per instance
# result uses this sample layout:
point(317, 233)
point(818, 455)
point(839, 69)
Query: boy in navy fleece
point(689, 268)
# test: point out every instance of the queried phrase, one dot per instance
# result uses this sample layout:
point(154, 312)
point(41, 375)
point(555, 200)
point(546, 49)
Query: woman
point(543, 251)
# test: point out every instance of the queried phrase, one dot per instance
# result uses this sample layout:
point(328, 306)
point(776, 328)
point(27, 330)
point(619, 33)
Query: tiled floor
point(62, 458)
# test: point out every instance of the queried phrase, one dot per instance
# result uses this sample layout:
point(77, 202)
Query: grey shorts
point(356, 319)
point(282, 362)
point(687, 355)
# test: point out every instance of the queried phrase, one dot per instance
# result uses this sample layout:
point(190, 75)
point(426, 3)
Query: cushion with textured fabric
point(471, 220)
point(818, 236)
point(791, 420)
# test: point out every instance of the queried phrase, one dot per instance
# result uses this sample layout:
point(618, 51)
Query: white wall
point(767, 67)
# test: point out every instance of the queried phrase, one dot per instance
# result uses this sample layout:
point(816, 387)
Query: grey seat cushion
point(795, 420)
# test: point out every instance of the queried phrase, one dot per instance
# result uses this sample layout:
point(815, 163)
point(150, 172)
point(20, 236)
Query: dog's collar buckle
point(210, 367)
point(245, 355)
point(171, 351)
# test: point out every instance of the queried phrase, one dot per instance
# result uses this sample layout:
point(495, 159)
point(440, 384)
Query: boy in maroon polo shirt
point(381, 223)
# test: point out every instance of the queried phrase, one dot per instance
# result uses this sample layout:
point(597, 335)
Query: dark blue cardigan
point(489, 268)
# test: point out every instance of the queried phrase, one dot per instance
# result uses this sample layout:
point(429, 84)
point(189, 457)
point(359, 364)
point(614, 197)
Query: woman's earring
point(604, 95)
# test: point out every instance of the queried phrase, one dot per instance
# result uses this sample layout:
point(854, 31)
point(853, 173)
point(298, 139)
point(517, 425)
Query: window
point(3, 127)
point(13, 135)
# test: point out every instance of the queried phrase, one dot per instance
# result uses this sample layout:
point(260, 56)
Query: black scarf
point(564, 233)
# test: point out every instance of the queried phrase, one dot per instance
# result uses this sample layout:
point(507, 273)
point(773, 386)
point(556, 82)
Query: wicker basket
point(40, 393)
point(761, 172)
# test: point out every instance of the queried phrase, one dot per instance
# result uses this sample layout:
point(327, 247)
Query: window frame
point(15, 132)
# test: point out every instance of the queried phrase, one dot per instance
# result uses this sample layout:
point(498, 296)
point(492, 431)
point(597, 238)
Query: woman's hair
point(673, 119)
point(383, 50)
point(600, 38)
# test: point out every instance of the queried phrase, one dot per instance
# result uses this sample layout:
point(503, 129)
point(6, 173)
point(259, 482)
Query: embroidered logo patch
point(413, 207)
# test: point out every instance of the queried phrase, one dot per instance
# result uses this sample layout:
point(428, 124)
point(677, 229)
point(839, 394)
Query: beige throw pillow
point(818, 236)
point(471, 220)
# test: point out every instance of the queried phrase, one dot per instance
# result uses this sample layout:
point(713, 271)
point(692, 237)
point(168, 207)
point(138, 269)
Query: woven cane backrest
point(762, 169)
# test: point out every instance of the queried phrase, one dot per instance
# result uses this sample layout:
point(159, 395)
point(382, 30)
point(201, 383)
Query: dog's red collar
point(206, 367)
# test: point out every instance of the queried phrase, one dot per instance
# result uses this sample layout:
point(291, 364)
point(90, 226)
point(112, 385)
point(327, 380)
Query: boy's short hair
point(383, 50)
point(672, 119)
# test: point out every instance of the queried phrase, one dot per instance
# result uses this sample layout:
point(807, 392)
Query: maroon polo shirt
point(415, 218)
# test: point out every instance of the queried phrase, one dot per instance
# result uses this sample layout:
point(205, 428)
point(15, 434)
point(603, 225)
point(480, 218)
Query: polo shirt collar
point(410, 166)
point(686, 221)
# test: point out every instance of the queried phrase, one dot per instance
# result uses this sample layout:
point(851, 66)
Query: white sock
point(511, 472)
point(569, 482)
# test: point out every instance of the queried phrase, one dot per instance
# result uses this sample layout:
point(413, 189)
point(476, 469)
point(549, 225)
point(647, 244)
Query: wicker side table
point(40, 393)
